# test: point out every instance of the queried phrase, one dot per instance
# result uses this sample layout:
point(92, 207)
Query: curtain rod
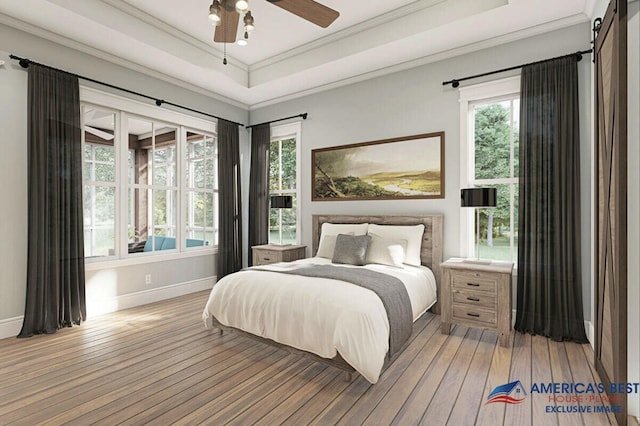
point(456, 81)
point(24, 63)
point(303, 115)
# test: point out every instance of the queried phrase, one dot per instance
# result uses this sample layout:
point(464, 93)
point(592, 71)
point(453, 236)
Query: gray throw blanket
point(389, 289)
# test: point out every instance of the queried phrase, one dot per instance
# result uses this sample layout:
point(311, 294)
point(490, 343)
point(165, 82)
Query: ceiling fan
point(225, 14)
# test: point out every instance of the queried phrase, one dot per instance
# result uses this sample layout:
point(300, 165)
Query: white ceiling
point(286, 56)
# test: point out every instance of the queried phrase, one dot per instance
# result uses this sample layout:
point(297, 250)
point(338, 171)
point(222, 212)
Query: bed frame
point(430, 256)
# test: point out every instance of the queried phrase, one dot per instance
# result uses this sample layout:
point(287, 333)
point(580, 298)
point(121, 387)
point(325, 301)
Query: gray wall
point(114, 280)
point(414, 101)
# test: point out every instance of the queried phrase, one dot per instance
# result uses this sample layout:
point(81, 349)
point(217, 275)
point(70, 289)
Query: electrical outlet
point(147, 279)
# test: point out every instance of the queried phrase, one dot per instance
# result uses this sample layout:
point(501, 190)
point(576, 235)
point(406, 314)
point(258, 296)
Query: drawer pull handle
point(471, 314)
point(266, 258)
point(473, 284)
point(473, 299)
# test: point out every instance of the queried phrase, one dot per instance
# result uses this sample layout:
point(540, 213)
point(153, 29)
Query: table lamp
point(478, 198)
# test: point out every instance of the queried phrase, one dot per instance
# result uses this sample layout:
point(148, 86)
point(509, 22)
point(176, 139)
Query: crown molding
point(374, 22)
point(436, 57)
point(90, 50)
point(160, 25)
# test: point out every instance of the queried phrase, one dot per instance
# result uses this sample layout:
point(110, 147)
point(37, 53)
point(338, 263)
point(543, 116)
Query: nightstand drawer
point(265, 257)
point(465, 281)
point(475, 314)
point(475, 299)
point(269, 253)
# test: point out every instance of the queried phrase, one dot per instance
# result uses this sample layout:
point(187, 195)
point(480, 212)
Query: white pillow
point(329, 233)
point(411, 233)
point(386, 251)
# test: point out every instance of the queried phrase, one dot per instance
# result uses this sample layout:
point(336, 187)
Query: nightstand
point(271, 253)
point(477, 295)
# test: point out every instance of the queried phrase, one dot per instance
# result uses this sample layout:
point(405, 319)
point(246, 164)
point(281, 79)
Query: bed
point(295, 306)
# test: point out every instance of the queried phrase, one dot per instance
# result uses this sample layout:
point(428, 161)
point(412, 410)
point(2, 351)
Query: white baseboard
point(11, 327)
point(145, 297)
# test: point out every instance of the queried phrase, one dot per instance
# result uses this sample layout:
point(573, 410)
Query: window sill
point(140, 259)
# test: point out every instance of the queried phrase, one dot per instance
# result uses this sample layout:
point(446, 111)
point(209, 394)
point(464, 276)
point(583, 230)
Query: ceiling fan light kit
point(214, 13)
point(225, 14)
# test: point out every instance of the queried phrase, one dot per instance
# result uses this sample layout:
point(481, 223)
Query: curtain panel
point(259, 187)
point(549, 299)
point(55, 267)
point(229, 258)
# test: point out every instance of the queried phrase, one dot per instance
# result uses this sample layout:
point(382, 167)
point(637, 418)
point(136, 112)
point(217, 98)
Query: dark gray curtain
point(55, 265)
point(230, 207)
point(259, 187)
point(549, 270)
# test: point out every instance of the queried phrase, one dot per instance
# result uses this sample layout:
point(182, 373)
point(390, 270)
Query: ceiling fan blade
point(310, 10)
point(99, 133)
point(228, 29)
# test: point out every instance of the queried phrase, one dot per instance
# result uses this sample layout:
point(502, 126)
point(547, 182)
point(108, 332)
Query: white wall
point(115, 285)
point(414, 101)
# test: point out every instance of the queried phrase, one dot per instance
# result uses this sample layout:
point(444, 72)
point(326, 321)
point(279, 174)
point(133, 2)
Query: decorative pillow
point(386, 251)
point(329, 232)
point(351, 249)
point(411, 233)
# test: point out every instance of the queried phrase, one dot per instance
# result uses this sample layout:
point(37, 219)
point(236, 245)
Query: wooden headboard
point(431, 250)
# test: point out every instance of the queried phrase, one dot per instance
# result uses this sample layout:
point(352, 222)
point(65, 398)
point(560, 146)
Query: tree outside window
point(283, 181)
point(495, 157)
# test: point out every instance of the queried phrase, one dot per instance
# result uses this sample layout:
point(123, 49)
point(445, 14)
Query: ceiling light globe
point(242, 6)
point(214, 13)
point(242, 42)
point(249, 28)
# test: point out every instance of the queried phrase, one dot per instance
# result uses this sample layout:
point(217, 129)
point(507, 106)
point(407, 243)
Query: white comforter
point(318, 315)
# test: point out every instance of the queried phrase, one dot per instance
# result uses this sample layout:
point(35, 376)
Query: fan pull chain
point(224, 60)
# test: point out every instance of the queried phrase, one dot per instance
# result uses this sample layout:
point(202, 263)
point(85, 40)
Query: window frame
point(279, 133)
point(469, 97)
point(123, 109)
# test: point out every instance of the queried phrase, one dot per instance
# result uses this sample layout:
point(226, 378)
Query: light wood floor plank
point(365, 405)
point(469, 398)
point(540, 370)
point(442, 403)
point(520, 414)
point(387, 408)
point(426, 389)
point(493, 414)
point(157, 365)
point(561, 372)
point(582, 374)
point(312, 408)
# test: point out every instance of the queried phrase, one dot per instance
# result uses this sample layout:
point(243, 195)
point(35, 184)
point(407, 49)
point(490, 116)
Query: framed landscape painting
point(410, 167)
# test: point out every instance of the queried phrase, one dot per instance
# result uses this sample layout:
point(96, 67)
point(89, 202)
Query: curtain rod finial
point(304, 116)
point(455, 83)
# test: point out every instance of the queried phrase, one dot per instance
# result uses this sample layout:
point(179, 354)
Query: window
point(202, 190)
point(99, 192)
point(489, 152)
point(283, 180)
point(150, 182)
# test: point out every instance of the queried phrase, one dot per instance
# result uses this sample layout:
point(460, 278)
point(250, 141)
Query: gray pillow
point(351, 249)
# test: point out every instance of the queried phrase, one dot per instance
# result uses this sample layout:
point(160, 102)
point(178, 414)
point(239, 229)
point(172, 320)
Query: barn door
point(610, 199)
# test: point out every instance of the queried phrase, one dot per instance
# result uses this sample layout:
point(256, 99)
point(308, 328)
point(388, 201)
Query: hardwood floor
point(158, 365)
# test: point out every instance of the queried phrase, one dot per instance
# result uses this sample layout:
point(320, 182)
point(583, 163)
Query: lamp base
point(478, 261)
